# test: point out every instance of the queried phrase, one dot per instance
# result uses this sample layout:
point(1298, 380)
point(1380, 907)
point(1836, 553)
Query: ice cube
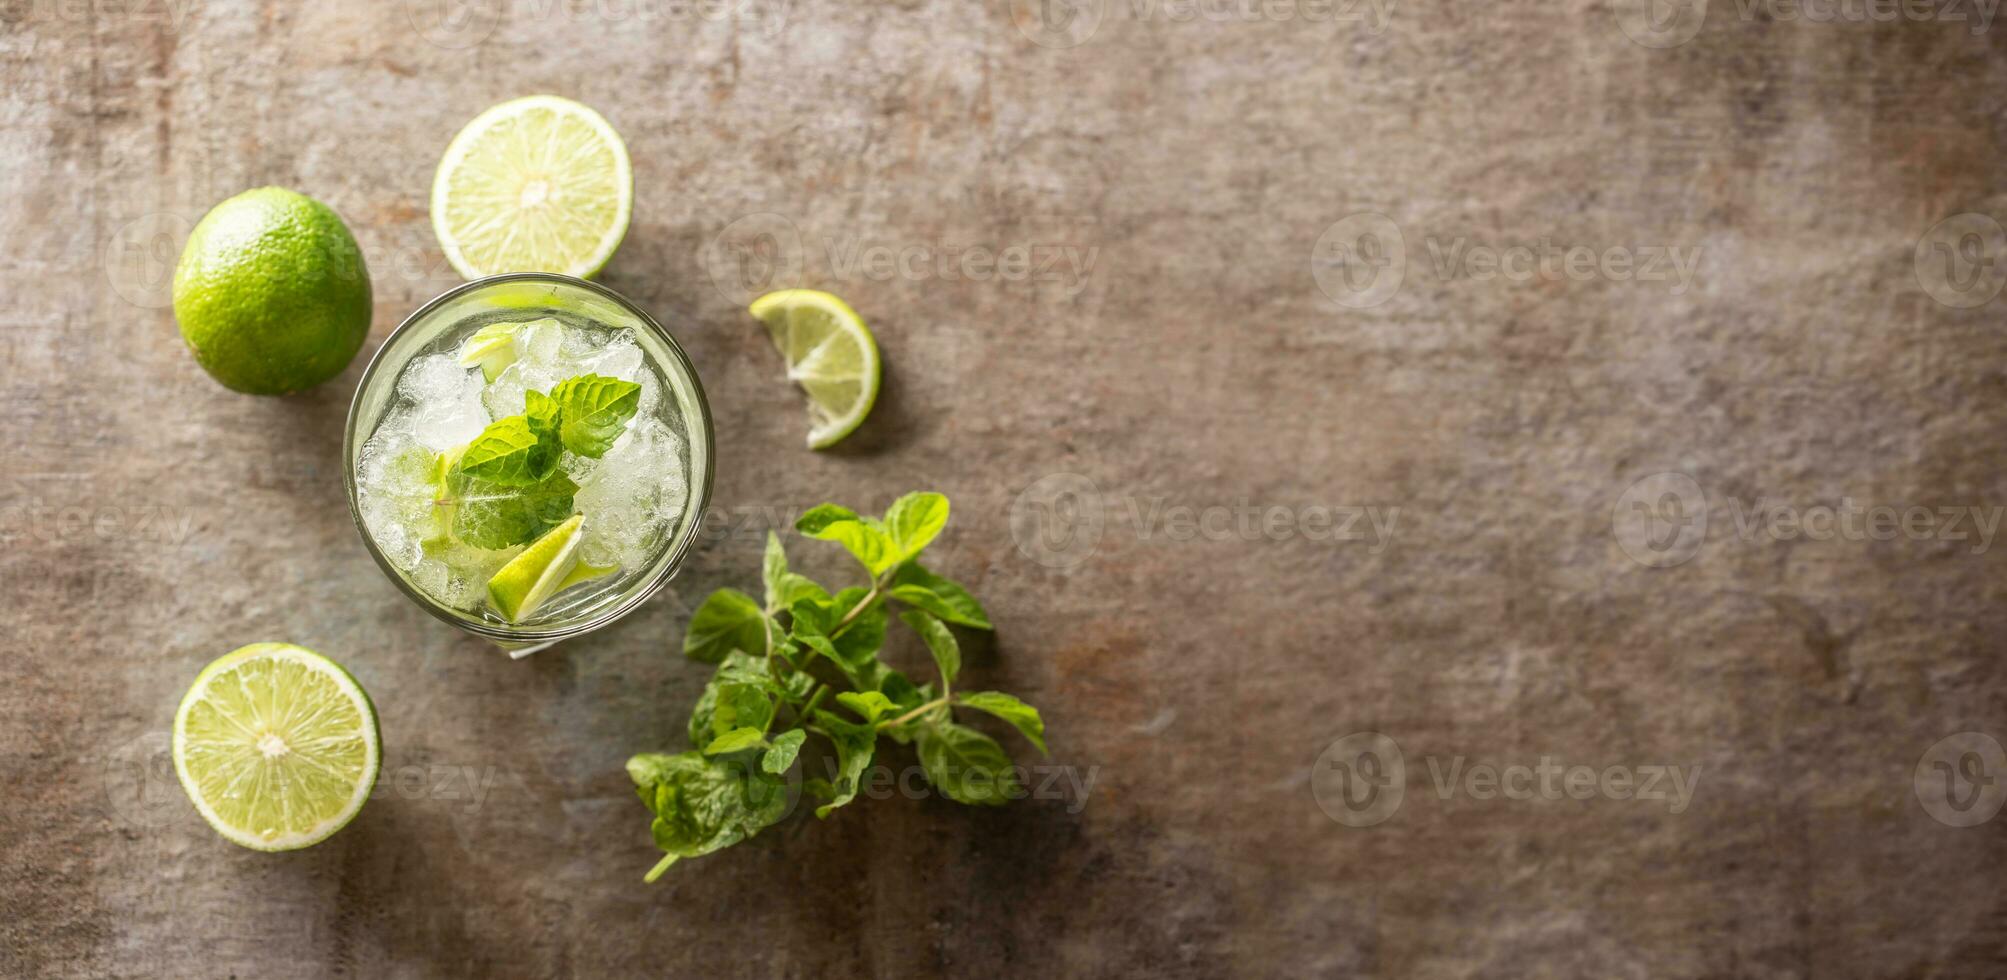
point(504, 397)
point(620, 358)
point(434, 377)
point(634, 493)
point(540, 341)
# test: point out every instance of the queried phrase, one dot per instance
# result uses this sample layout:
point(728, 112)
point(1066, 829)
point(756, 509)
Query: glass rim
point(677, 550)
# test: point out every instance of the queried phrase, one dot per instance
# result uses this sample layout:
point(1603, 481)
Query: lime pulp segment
point(544, 569)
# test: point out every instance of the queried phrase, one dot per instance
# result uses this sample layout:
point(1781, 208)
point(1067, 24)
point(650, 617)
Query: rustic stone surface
point(153, 520)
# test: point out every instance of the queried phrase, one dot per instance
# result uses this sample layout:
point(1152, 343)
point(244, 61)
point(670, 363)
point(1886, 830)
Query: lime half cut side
point(277, 746)
point(544, 569)
point(538, 184)
point(830, 353)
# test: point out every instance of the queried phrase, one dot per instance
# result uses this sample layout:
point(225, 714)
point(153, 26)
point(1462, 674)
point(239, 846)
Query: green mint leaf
point(494, 515)
point(865, 539)
point(773, 571)
point(856, 650)
point(512, 452)
point(733, 670)
point(914, 521)
point(594, 410)
point(540, 410)
point(1012, 710)
point(947, 653)
point(728, 620)
point(703, 804)
point(915, 586)
point(855, 745)
point(796, 587)
point(966, 765)
point(821, 789)
point(735, 740)
point(871, 704)
point(786, 746)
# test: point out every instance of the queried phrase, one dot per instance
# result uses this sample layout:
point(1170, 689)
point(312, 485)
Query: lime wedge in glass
point(277, 746)
point(491, 349)
point(830, 354)
point(544, 569)
point(538, 184)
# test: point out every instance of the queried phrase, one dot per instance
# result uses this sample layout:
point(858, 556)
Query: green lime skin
point(272, 293)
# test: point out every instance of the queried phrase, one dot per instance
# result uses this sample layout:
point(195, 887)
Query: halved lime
point(490, 348)
point(830, 354)
point(538, 184)
point(277, 746)
point(544, 569)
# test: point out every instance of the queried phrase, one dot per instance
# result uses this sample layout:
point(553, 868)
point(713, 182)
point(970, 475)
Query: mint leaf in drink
point(786, 746)
point(864, 538)
point(915, 586)
point(947, 653)
point(914, 521)
point(855, 745)
point(512, 452)
point(1012, 710)
point(966, 765)
point(728, 620)
point(492, 515)
point(593, 411)
point(702, 804)
point(735, 740)
point(871, 704)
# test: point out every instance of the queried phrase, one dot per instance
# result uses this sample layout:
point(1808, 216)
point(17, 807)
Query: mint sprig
point(504, 488)
point(782, 665)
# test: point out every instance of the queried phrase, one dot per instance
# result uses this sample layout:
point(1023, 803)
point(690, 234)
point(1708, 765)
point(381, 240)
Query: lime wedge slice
point(277, 746)
point(830, 354)
point(544, 569)
point(491, 348)
point(539, 184)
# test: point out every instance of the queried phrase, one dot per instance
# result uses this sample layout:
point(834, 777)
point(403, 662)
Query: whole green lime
point(272, 293)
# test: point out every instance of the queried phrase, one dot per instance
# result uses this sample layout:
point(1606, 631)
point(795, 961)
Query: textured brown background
point(153, 520)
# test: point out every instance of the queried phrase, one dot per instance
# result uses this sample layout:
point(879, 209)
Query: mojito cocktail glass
point(622, 513)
